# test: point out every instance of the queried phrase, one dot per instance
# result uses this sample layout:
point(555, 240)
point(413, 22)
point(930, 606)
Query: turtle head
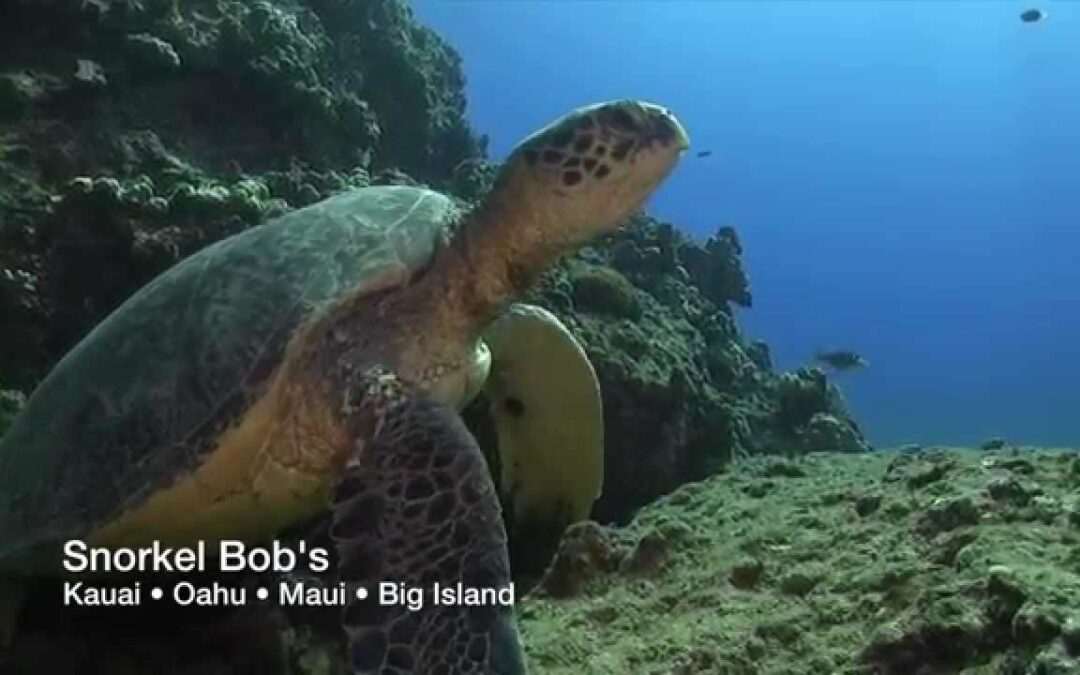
point(581, 175)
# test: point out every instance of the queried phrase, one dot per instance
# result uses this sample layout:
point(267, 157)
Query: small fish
point(1032, 15)
point(841, 359)
point(704, 153)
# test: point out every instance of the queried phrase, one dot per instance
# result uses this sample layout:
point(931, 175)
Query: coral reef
point(684, 391)
point(132, 133)
point(585, 552)
point(601, 289)
point(935, 561)
point(716, 268)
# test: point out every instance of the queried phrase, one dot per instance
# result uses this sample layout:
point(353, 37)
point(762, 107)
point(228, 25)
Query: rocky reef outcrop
point(937, 560)
point(685, 392)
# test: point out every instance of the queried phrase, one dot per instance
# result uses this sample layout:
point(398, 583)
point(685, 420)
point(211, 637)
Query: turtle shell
point(140, 400)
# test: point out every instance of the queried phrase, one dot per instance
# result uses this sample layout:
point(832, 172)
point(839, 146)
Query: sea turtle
point(319, 360)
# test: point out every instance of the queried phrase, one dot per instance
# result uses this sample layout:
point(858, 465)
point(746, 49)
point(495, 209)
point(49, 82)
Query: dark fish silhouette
point(841, 359)
point(704, 153)
point(1032, 15)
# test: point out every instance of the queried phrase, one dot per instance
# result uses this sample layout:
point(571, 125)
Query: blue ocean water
point(905, 177)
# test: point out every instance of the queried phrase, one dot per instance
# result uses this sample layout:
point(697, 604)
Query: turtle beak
point(664, 127)
point(660, 127)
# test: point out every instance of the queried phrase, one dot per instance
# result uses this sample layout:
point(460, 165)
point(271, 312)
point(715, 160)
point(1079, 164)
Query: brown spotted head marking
point(564, 185)
point(587, 171)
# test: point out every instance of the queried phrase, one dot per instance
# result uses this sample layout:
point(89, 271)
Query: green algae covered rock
point(792, 581)
point(826, 432)
point(602, 289)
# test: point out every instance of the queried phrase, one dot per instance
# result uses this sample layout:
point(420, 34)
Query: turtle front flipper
point(545, 401)
point(417, 512)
